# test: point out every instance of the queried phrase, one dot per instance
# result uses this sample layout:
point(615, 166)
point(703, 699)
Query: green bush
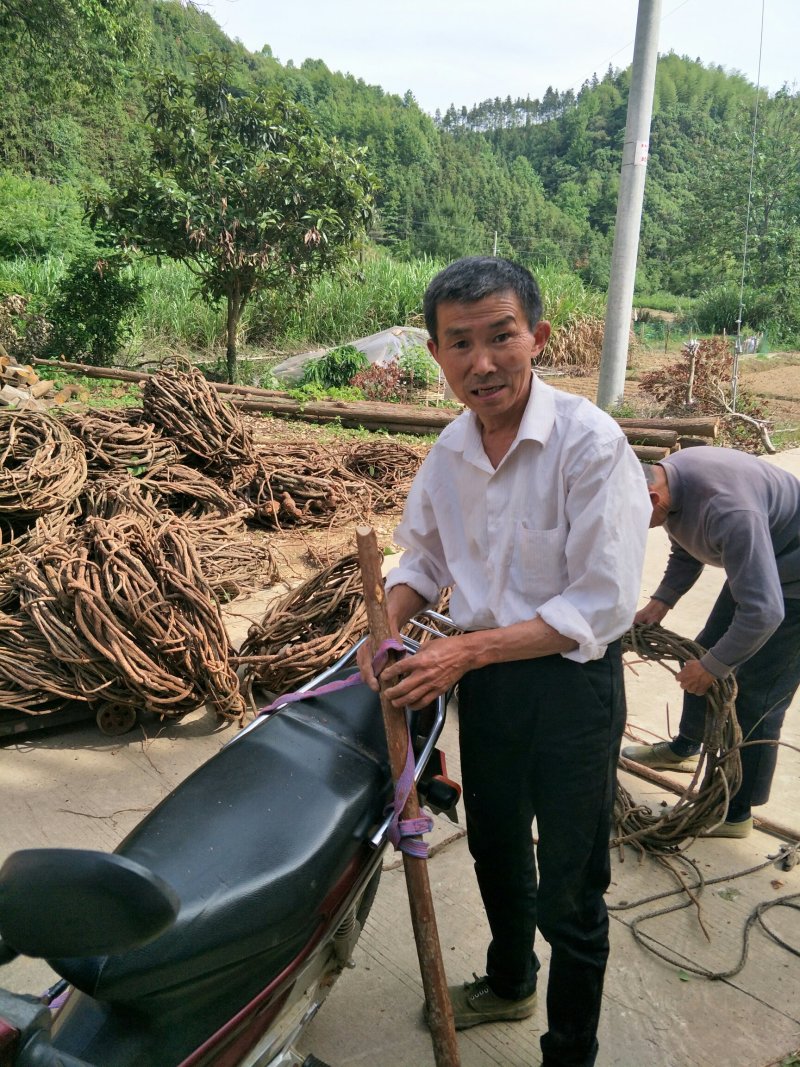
point(565, 297)
point(418, 367)
point(314, 391)
point(31, 277)
point(660, 301)
point(90, 313)
point(718, 309)
point(784, 322)
point(172, 312)
point(336, 368)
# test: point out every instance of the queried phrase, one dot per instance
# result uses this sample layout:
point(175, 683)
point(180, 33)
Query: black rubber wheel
point(116, 719)
point(312, 1061)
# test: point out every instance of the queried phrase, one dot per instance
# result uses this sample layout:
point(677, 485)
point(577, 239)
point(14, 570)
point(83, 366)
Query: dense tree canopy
point(534, 178)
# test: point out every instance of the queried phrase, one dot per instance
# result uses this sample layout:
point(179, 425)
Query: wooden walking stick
point(423, 919)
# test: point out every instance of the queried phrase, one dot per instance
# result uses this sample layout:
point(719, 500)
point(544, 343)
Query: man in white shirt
point(532, 506)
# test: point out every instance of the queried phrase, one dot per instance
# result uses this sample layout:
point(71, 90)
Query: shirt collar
point(464, 434)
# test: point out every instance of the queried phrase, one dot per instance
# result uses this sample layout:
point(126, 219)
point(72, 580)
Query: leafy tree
point(721, 189)
point(244, 189)
point(84, 35)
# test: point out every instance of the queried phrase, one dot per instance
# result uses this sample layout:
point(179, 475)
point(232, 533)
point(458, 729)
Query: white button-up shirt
point(557, 530)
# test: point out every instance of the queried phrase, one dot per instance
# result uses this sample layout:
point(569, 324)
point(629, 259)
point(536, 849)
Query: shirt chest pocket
point(540, 557)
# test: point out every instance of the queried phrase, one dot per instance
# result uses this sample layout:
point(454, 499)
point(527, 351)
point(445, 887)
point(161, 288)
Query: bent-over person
point(732, 510)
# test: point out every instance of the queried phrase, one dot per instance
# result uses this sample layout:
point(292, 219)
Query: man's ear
point(433, 348)
point(541, 335)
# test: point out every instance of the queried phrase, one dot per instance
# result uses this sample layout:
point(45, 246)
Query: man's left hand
point(415, 681)
point(694, 678)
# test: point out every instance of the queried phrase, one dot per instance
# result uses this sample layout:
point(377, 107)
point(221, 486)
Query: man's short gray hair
point(474, 278)
point(649, 473)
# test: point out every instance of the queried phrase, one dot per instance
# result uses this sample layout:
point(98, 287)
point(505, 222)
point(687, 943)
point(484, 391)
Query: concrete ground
point(75, 787)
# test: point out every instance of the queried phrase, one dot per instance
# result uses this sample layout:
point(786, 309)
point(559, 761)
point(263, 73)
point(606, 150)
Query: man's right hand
point(364, 661)
point(653, 612)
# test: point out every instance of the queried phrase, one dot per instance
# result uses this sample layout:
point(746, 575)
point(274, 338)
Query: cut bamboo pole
point(423, 918)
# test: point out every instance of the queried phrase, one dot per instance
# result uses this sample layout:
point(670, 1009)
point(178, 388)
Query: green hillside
point(533, 179)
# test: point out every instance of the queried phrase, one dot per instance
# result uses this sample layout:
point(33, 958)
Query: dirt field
point(773, 381)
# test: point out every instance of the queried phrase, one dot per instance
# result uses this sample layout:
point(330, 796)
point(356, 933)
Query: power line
point(663, 19)
point(738, 347)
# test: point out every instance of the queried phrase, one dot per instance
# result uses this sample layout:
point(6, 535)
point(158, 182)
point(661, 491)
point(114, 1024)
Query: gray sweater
point(738, 512)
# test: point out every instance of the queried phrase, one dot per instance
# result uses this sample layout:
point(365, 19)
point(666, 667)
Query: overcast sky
point(464, 51)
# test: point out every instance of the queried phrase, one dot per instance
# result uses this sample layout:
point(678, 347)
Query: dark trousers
point(540, 738)
point(767, 682)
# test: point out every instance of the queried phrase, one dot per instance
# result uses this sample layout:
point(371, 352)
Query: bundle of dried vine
point(720, 760)
point(232, 563)
point(193, 415)
point(188, 492)
point(21, 539)
point(306, 630)
point(387, 465)
point(32, 682)
point(119, 441)
point(42, 466)
point(304, 485)
point(107, 496)
point(123, 606)
point(17, 537)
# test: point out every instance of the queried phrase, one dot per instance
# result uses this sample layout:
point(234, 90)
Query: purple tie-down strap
point(402, 832)
point(379, 661)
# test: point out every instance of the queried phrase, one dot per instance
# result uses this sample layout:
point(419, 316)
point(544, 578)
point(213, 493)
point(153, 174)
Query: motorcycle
point(214, 932)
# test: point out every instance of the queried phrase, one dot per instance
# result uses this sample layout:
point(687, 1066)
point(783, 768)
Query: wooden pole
point(699, 425)
point(769, 826)
point(423, 918)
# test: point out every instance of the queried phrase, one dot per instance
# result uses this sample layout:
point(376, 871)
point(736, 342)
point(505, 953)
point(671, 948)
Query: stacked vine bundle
point(122, 534)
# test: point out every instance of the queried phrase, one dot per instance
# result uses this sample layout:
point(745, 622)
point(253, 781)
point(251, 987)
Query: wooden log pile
point(21, 386)
point(651, 439)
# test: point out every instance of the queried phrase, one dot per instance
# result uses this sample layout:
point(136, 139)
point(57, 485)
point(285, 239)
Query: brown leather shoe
point(660, 757)
point(475, 1003)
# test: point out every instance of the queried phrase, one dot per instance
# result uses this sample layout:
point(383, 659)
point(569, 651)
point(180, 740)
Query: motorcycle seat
point(258, 843)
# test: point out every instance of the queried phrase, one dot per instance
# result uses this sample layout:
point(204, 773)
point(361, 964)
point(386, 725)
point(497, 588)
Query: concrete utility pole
point(629, 206)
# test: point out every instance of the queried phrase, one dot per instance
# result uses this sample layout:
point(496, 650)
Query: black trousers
point(767, 683)
point(540, 739)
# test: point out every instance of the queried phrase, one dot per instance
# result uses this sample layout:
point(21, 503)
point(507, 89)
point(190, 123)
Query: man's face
point(485, 350)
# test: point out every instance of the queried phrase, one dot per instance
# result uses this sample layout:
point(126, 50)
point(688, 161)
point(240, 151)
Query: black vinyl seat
point(252, 843)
